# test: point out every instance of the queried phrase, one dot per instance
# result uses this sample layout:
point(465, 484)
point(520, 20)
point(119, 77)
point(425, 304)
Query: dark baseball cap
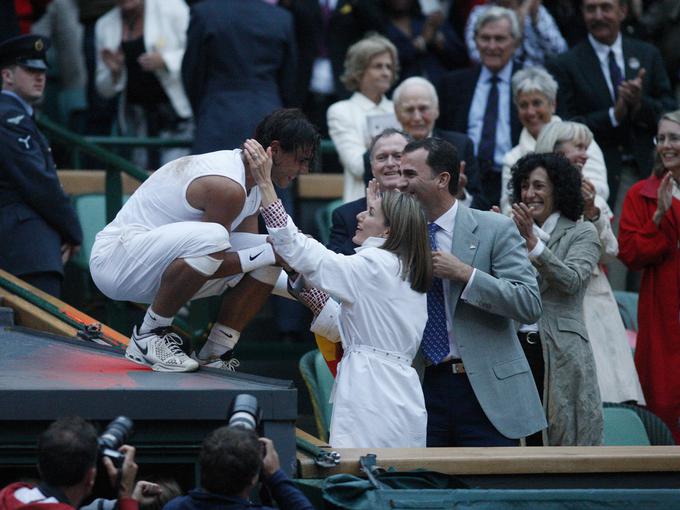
point(26, 51)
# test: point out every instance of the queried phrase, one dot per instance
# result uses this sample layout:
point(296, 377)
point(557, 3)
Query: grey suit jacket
point(571, 392)
point(504, 289)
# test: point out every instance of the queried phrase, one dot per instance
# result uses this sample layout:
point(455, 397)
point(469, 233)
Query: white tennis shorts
point(129, 266)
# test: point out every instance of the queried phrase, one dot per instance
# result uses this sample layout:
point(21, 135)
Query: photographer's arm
point(286, 495)
point(124, 480)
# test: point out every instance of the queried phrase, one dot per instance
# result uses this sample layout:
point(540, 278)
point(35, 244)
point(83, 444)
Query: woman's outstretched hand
point(259, 161)
point(373, 194)
point(522, 217)
point(260, 165)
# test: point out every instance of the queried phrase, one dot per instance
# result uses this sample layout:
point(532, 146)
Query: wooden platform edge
point(507, 461)
point(32, 316)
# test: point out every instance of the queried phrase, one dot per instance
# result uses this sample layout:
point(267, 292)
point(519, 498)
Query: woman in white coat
point(534, 92)
point(380, 309)
point(371, 67)
point(616, 374)
point(139, 49)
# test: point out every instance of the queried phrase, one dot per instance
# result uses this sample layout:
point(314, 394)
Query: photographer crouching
point(232, 462)
point(67, 463)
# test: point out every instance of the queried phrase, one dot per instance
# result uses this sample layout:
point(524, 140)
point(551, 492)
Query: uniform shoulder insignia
point(25, 140)
point(15, 120)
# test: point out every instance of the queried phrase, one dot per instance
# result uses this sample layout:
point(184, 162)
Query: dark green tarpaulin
point(353, 493)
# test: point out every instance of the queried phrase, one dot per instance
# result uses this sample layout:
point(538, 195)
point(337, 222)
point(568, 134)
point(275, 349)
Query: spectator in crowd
point(100, 111)
point(476, 393)
point(337, 25)
point(417, 107)
point(189, 231)
point(371, 67)
point(661, 23)
point(547, 206)
point(567, 15)
point(9, 24)
point(616, 373)
point(140, 45)
point(477, 101)
point(349, 21)
point(232, 461)
point(427, 47)
point(618, 87)
point(534, 92)
point(60, 23)
point(379, 316)
point(384, 156)
point(240, 65)
point(648, 242)
point(39, 224)
point(541, 38)
point(308, 28)
point(67, 463)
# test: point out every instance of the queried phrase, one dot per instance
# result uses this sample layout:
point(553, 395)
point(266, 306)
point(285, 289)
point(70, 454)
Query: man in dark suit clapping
point(477, 101)
point(618, 87)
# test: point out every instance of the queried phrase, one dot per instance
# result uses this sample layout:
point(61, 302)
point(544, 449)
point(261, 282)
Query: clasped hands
point(629, 96)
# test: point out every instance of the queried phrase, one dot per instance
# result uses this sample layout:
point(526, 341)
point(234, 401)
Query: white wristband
point(256, 257)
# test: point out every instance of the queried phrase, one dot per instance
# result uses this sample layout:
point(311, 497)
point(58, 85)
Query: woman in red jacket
point(649, 241)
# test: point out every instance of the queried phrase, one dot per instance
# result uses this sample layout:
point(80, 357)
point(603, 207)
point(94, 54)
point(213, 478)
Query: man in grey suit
point(478, 388)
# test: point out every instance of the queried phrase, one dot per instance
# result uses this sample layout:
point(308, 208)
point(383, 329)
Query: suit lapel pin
point(473, 246)
point(633, 63)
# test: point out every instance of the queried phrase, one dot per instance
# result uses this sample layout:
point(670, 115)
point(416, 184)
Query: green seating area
point(319, 382)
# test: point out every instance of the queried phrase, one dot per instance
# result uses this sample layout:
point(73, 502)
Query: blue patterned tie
point(435, 345)
point(487, 143)
point(614, 74)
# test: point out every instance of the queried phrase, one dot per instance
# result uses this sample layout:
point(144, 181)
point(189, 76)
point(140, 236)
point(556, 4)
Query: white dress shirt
point(602, 52)
point(478, 107)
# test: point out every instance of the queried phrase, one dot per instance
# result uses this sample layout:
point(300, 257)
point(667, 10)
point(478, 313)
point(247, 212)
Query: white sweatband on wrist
point(257, 256)
point(206, 265)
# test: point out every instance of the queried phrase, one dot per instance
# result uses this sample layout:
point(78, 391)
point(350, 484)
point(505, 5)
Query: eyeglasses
point(671, 139)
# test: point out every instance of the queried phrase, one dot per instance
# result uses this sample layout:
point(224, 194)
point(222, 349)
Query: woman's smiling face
point(370, 223)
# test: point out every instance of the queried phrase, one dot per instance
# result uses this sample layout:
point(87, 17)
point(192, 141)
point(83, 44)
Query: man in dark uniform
point(39, 229)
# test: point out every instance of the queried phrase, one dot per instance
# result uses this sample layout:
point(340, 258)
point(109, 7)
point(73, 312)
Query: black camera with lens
point(245, 413)
point(115, 435)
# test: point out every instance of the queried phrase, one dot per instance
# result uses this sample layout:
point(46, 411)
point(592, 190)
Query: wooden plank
point(507, 461)
point(310, 186)
point(310, 438)
point(28, 315)
point(320, 186)
point(81, 182)
point(74, 313)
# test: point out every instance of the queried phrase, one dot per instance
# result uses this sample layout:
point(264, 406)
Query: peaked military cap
point(25, 50)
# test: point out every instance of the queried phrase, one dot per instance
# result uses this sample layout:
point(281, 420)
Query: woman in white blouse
point(378, 310)
point(534, 92)
point(371, 67)
point(616, 374)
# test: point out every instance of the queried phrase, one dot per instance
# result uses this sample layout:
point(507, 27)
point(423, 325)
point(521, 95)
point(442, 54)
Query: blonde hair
point(359, 56)
point(408, 238)
point(559, 132)
point(658, 169)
